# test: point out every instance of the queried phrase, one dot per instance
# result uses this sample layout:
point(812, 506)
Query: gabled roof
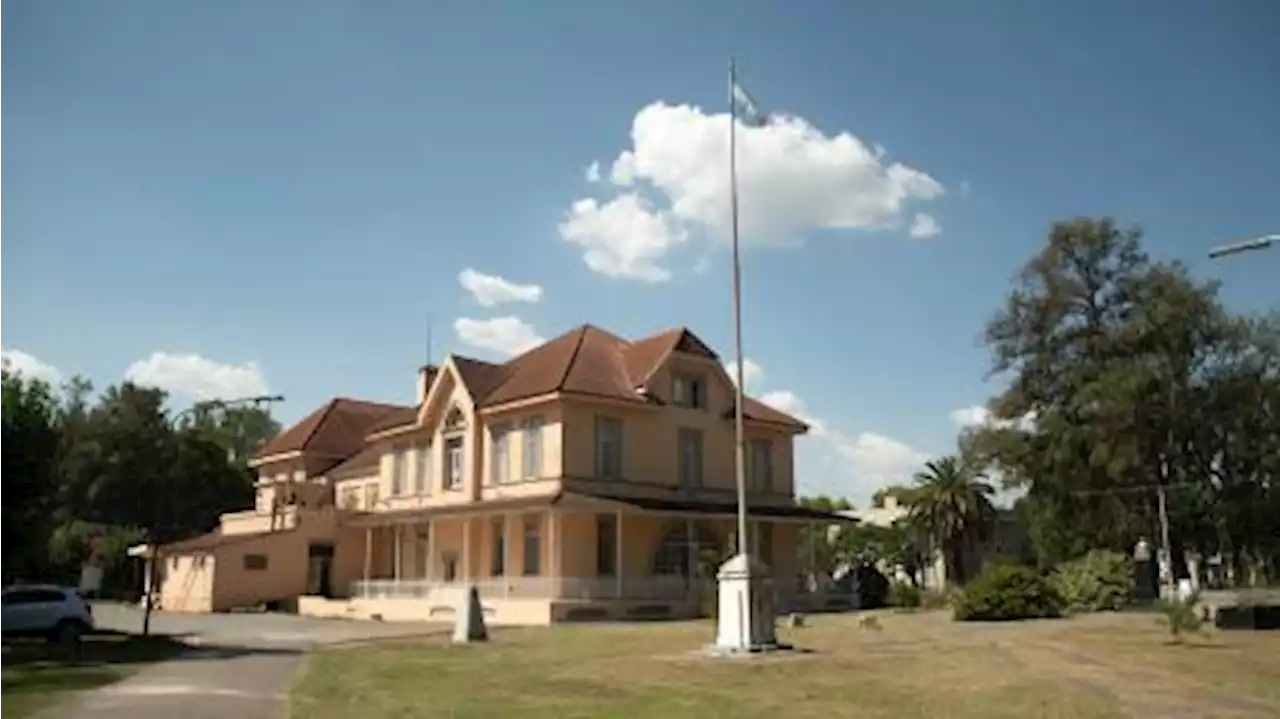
point(335, 430)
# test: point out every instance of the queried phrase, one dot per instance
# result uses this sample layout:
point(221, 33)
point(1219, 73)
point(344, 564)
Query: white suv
point(58, 613)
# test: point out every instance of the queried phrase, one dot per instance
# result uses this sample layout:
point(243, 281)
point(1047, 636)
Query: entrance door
point(320, 569)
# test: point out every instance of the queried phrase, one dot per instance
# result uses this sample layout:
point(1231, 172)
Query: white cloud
point(593, 172)
point(505, 335)
point(491, 290)
point(791, 176)
point(752, 373)
point(979, 416)
point(622, 238)
point(876, 460)
point(30, 366)
point(924, 225)
point(190, 374)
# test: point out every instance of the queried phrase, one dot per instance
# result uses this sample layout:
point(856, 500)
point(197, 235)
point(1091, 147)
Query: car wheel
point(68, 632)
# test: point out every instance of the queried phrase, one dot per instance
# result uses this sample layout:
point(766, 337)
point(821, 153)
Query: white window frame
point(454, 471)
point(761, 471)
point(397, 472)
point(532, 530)
point(422, 469)
point(691, 469)
point(500, 454)
point(531, 447)
point(615, 442)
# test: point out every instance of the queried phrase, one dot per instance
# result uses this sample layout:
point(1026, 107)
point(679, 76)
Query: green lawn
point(37, 675)
point(920, 665)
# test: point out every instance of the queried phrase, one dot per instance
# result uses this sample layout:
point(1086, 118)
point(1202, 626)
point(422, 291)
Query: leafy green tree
point(951, 504)
point(30, 473)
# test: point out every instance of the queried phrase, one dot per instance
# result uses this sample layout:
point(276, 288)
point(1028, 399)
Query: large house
point(590, 477)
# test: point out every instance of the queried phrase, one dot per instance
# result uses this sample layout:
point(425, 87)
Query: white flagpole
point(739, 439)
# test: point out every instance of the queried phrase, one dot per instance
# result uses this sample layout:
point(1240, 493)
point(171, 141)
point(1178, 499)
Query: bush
point(1099, 581)
point(1005, 592)
point(937, 598)
point(1180, 616)
point(903, 595)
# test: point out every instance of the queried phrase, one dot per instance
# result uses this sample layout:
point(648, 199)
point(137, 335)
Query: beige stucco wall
point(187, 582)
point(650, 445)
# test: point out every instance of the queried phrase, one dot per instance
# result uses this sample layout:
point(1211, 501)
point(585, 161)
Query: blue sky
point(192, 187)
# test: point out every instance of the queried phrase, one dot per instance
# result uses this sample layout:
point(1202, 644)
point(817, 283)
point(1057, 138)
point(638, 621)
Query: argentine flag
point(745, 107)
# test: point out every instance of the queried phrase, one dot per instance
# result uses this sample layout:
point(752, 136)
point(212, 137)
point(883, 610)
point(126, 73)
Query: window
point(606, 545)
point(531, 452)
point(422, 470)
point(688, 392)
point(764, 552)
point(450, 561)
point(500, 472)
point(370, 495)
point(350, 498)
point(255, 562)
point(608, 448)
point(690, 442)
point(532, 546)
point(397, 472)
point(761, 464)
point(498, 547)
point(453, 466)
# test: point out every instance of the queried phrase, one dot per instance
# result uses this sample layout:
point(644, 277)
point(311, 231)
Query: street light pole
point(1234, 248)
point(154, 555)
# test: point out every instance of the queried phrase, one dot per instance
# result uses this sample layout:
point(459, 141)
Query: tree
point(1126, 377)
point(30, 477)
point(952, 505)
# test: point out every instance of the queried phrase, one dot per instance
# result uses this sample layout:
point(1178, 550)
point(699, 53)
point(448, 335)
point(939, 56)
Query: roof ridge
point(573, 356)
point(328, 408)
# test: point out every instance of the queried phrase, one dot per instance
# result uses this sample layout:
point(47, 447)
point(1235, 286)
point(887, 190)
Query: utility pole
point(158, 511)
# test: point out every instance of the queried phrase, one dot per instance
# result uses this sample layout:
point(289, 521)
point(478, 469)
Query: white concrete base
point(744, 620)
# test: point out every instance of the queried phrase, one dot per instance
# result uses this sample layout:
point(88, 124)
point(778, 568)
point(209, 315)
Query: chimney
point(426, 375)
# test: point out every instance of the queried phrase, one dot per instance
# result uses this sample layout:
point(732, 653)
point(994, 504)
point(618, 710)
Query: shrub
point(1004, 592)
point(937, 598)
point(1099, 581)
point(903, 595)
point(1180, 616)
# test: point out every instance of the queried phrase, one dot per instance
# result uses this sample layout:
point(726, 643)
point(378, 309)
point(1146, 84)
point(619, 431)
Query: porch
point(570, 558)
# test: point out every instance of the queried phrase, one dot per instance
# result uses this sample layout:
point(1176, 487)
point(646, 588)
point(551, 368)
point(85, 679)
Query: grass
point(38, 675)
point(917, 665)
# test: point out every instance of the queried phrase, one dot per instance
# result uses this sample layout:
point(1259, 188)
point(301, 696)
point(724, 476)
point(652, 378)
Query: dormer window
point(688, 391)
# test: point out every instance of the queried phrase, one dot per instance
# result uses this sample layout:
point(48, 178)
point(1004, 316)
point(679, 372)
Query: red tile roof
point(335, 430)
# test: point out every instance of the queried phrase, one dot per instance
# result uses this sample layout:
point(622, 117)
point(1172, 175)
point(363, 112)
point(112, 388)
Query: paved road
point(239, 665)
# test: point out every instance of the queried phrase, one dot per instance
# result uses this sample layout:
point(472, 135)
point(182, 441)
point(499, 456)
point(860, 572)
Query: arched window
point(455, 420)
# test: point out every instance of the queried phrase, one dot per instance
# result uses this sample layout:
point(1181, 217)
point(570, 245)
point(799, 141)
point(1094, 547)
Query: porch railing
point(666, 588)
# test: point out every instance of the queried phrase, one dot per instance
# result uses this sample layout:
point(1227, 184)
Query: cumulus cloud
point(624, 237)
point(868, 460)
point(492, 290)
point(979, 416)
point(752, 373)
point(791, 177)
point(29, 366)
point(924, 225)
point(593, 172)
point(189, 374)
point(504, 335)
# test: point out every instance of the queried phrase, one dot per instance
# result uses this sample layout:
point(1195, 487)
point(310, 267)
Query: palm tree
point(951, 504)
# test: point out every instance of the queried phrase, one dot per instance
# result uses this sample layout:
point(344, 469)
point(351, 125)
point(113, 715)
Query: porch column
point(617, 554)
point(466, 549)
point(507, 524)
point(398, 537)
point(553, 561)
point(755, 539)
point(368, 552)
point(431, 550)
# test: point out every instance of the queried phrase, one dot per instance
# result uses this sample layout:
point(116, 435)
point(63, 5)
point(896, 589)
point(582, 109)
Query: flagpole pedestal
point(745, 616)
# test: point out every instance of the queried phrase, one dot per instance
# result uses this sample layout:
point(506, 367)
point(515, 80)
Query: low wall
point(499, 612)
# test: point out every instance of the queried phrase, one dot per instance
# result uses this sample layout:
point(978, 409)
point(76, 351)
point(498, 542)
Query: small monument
point(745, 603)
point(469, 622)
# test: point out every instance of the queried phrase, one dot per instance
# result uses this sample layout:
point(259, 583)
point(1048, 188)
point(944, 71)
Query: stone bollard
point(469, 622)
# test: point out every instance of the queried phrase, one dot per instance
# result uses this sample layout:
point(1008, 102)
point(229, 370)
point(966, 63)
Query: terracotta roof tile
point(359, 463)
point(396, 418)
point(335, 430)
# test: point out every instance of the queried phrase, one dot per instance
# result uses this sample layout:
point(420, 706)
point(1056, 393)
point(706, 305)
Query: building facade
point(590, 477)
